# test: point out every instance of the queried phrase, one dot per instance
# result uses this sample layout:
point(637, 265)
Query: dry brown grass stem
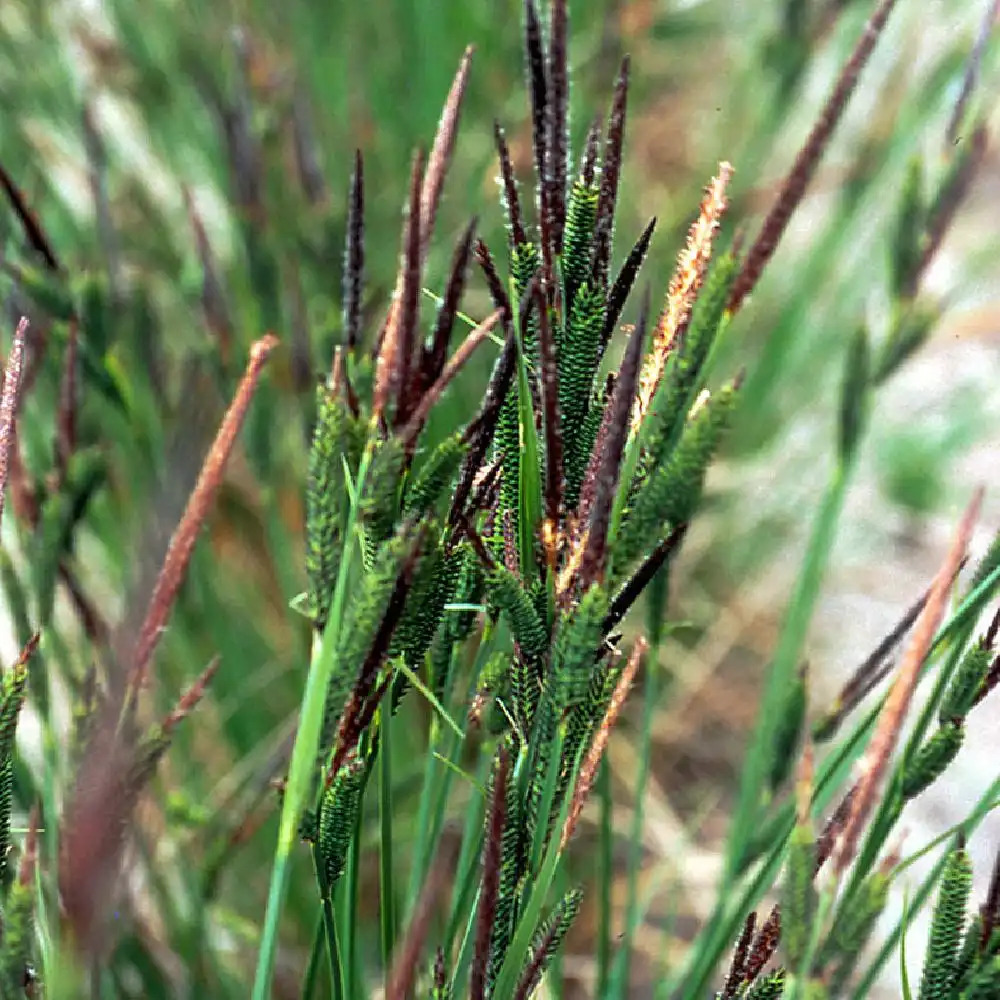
point(876, 759)
point(182, 542)
point(588, 772)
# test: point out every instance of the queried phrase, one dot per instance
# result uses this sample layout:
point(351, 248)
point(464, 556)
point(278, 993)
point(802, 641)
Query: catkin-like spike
point(932, 759)
point(557, 125)
point(337, 814)
point(985, 984)
point(325, 509)
point(852, 927)
point(610, 175)
point(509, 596)
point(380, 500)
point(435, 476)
point(511, 200)
point(576, 644)
point(947, 927)
point(671, 494)
point(430, 590)
point(440, 988)
point(547, 941)
point(580, 218)
point(966, 683)
point(769, 987)
point(578, 359)
point(734, 978)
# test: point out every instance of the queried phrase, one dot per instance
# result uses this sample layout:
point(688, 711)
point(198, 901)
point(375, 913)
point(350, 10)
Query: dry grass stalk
point(182, 542)
point(588, 772)
point(876, 758)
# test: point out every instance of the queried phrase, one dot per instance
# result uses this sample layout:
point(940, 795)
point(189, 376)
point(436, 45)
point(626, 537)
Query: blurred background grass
point(188, 161)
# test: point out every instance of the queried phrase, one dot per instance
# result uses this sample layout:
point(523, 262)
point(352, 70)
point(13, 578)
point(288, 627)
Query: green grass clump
point(414, 584)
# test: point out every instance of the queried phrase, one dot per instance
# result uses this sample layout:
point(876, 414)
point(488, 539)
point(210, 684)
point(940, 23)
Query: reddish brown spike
point(764, 945)
point(740, 956)
point(497, 291)
point(797, 181)
point(588, 161)
point(191, 697)
point(539, 89)
point(609, 465)
point(407, 365)
point(185, 535)
point(354, 255)
point(512, 202)
point(990, 910)
point(434, 354)
point(441, 152)
point(492, 856)
point(8, 405)
point(29, 223)
point(607, 199)
point(557, 123)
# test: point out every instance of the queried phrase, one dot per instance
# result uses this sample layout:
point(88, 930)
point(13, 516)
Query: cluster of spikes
point(549, 514)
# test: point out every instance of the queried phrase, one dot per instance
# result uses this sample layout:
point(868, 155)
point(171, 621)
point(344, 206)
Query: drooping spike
point(588, 161)
point(539, 90)
point(354, 255)
point(610, 175)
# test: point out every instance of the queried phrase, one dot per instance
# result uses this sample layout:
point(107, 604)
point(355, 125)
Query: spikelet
point(769, 987)
point(985, 984)
point(965, 684)
point(380, 500)
point(673, 490)
point(579, 238)
point(14, 690)
point(546, 942)
point(932, 759)
point(853, 927)
point(510, 597)
point(946, 928)
point(430, 590)
point(799, 898)
point(577, 642)
point(336, 820)
point(436, 474)
point(905, 250)
point(325, 492)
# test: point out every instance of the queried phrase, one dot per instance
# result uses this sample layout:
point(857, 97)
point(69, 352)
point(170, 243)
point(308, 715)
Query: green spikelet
point(578, 238)
point(430, 590)
point(789, 731)
point(577, 642)
point(985, 984)
point(584, 717)
point(325, 507)
point(14, 687)
point(946, 928)
point(18, 932)
point(380, 502)
point(799, 898)
point(549, 937)
point(469, 583)
point(855, 394)
point(578, 359)
point(852, 927)
point(583, 445)
point(907, 245)
point(769, 987)
point(966, 684)
point(510, 597)
point(524, 262)
point(968, 958)
point(684, 373)
point(336, 821)
point(362, 618)
point(435, 476)
point(512, 868)
point(931, 760)
point(987, 564)
point(673, 490)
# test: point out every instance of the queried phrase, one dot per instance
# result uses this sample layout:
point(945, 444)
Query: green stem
point(385, 806)
point(312, 969)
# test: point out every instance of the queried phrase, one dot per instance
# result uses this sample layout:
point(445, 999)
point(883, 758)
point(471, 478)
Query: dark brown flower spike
point(8, 405)
point(185, 535)
point(354, 255)
point(794, 187)
point(553, 432)
point(492, 856)
point(40, 243)
point(764, 945)
point(591, 147)
point(493, 281)
point(609, 463)
point(557, 124)
point(622, 286)
point(539, 89)
point(740, 955)
point(512, 201)
point(607, 200)
point(990, 910)
point(405, 369)
point(436, 351)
